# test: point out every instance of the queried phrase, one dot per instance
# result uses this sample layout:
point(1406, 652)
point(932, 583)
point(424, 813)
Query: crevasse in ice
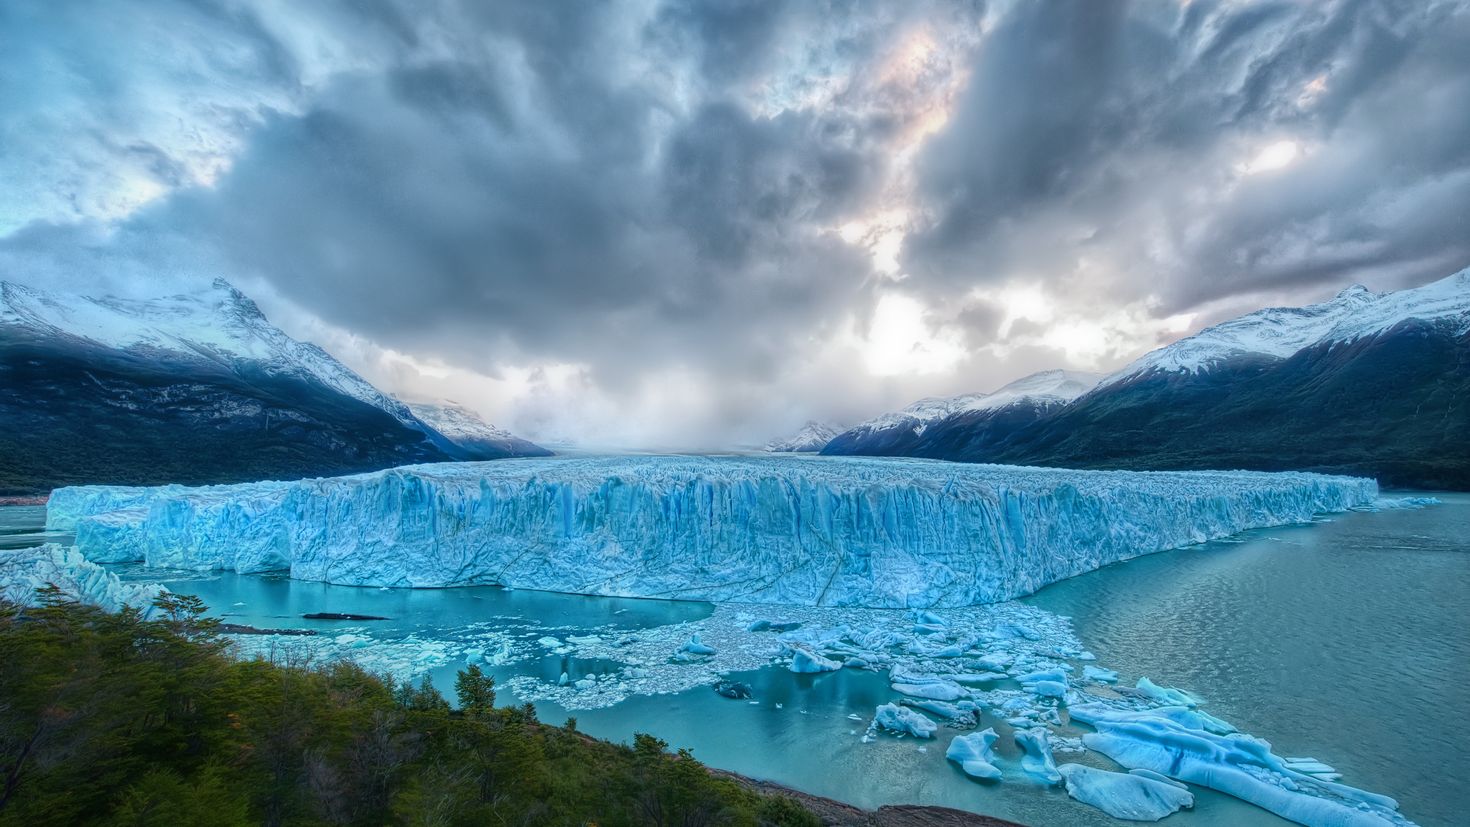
point(833, 531)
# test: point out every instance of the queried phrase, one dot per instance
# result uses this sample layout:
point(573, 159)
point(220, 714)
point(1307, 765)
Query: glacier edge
point(821, 531)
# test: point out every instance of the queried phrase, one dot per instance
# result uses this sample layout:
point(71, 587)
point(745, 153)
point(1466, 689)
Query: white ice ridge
point(23, 571)
point(827, 531)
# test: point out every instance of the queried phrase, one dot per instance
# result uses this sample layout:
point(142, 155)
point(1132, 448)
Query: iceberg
point(1038, 761)
point(805, 661)
point(1131, 796)
point(903, 720)
point(974, 755)
point(821, 531)
point(1179, 744)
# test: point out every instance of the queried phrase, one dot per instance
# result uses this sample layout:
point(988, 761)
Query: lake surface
point(1347, 640)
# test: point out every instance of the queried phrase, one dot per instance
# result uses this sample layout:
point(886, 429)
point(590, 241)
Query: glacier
point(821, 531)
point(23, 571)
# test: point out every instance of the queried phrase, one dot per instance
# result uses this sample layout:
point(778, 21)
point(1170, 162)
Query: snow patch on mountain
point(1048, 387)
point(1279, 332)
point(465, 428)
point(812, 437)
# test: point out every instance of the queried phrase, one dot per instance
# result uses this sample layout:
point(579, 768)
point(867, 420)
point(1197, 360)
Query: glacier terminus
point(830, 531)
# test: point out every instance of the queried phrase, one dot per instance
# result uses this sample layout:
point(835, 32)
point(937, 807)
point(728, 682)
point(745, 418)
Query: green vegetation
point(113, 719)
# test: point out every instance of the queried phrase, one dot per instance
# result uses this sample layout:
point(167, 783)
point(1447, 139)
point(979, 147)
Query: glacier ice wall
point(23, 571)
point(839, 531)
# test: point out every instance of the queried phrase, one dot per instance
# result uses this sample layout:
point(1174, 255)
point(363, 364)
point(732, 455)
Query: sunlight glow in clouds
point(1275, 156)
point(901, 340)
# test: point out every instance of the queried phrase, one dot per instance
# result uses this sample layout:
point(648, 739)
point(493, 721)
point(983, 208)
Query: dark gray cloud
point(1119, 128)
point(700, 194)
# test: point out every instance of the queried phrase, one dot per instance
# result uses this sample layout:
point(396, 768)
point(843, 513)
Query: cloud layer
point(680, 224)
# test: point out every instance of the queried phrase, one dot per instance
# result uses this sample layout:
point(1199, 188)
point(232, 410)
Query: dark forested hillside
point(111, 719)
point(74, 414)
point(1395, 406)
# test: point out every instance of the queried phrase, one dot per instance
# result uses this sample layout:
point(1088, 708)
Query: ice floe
point(1135, 797)
point(974, 754)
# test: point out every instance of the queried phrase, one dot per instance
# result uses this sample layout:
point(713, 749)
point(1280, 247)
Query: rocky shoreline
point(834, 813)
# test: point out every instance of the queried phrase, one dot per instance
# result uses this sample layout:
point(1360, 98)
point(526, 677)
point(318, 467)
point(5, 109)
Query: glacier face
point(23, 571)
point(834, 531)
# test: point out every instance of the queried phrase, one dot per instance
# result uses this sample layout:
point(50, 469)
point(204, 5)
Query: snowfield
point(835, 531)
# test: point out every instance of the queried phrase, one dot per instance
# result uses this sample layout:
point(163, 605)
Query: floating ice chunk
point(974, 755)
point(935, 691)
point(977, 677)
point(928, 618)
point(995, 661)
point(1046, 683)
point(1395, 503)
point(1167, 695)
point(1234, 764)
point(901, 719)
point(1124, 795)
point(697, 647)
point(1097, 674)
point(1048, 689)
point(1037, 761)
point(805, 661)
point(549, 642)
point(564, 679)
point(953, 714)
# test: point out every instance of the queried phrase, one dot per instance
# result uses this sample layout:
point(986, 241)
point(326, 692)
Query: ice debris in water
point(694, 647)
point(1398, 503)
point(974, 754)
point(774, 530)
point(1037, 761)
point(806, 661)
point(1130, 796)
point(1181, 743)
point(903, 721)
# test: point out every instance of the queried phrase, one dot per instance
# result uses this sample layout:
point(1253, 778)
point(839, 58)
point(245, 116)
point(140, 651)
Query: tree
point(475, 691)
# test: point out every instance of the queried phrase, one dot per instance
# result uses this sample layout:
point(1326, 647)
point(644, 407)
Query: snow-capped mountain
point(895, 433)
point(812, 437)
point(1279, 332)
point(1374, 384)
point(466, 429)
point(196, 387)
point(219, 324)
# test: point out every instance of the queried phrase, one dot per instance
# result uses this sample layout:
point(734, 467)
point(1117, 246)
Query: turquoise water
point(1347, 640)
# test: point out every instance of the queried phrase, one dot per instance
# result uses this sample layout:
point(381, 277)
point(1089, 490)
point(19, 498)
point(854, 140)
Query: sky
point(666, 224)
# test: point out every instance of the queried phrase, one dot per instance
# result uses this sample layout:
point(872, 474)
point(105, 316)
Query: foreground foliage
point(113, 719)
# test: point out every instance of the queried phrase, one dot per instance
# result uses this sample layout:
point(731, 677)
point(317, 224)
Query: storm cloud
point(693, 224)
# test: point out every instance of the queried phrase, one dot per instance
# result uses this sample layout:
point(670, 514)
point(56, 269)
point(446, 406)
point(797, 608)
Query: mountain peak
point(1356, 291)
point(1278, 332)
point(813, 436)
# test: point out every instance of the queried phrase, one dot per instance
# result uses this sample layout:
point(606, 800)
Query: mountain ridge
point(1374, 384)
point(196, 387)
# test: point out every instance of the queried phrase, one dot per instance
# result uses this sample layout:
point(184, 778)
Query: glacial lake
point(1347, 640)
